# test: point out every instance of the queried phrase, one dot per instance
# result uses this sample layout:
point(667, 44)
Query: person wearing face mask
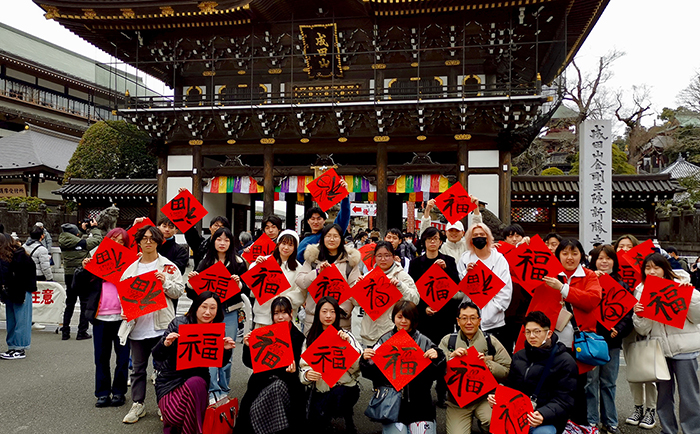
point(480, 248)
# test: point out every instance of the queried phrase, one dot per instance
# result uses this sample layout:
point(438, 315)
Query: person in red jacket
point(581, 294)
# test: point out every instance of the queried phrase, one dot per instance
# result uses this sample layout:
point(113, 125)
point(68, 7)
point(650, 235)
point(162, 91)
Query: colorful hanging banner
point(233, 184)
point(420, 184)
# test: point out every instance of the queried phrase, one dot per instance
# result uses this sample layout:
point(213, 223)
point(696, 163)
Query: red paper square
point(184, 211)
point(504, 248)
point(375, 293)
point(200, 346)
point(216, 279)
point(326, 189)
point(665, 301)
point(263, 246)
point(135, 228)
point(509, 415)
point(367, 252)
point(481, 284)
point(330, 282)
point(141, 295)
point(331, 356)
point(529, 263)
point(400, 359)
point(110, 261)
point(455, 203)
point(436, 288)
point(468, 378)
point(271, 347)
point(615, 304)
point(636, 255)
point(266, 280)
point(546, 300)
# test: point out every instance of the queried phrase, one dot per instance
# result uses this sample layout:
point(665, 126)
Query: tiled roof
point(109, 188)
point(661, 184)
point(36, 147)
point(681, 168)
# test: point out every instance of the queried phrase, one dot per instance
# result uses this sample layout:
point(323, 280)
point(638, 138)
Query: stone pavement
point(51, 392)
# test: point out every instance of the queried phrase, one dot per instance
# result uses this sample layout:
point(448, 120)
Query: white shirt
point(144, 327)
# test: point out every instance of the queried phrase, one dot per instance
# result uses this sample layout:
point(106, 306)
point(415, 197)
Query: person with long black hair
point(222, 248)
point(327, 402)
point(182, 394)
point(273, 401)
point(317, 257)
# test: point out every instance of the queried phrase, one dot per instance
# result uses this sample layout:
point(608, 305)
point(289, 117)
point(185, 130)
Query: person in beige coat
point(317, 257)
point(384, 254)
point(459, 420)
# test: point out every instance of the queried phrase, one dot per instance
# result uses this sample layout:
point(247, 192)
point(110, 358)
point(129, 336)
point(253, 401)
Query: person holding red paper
point(514, 234)
point(329, 251)
point(480, 248)
point(103, 310)
point(285, 254)
point(417, 407)
point(315, 217)
point(145, 331)
point(554, 401)
point(182, 394)
point(455, 245)
point(681, 348)
point(435, 324)
point(600, 384)
point(371, 331)
point(276, 392)
point(583, 293)
point(222, 248)
point(328, 402)
point(459, 420)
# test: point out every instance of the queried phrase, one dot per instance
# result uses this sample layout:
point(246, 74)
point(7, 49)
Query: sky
point(658, 37)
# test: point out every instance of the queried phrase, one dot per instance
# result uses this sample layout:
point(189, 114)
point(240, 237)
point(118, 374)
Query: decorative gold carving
point(167, 11)
point(128, 13)
point(320, 45)
point(209, 73)
point(381, 139)
point(306, 70)
point(241, 72)
point(208, 7)
point(267, 141)
point(242, 85)
point(51, 12)
point(342, 139)
point(378, 66)
point(274, 71)
point(326, 91)
point(415, 78)
point(452, 62)
point(414, 65)
point(89, 13)
point(231, 141)
point(196, 142)
point(463, 137)
point(346, 68)
point(421, 138)
point(304, 140)
point(391, 82)
point(114, 112)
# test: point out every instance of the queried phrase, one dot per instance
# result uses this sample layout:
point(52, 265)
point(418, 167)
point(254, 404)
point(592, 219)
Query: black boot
point(65, 333)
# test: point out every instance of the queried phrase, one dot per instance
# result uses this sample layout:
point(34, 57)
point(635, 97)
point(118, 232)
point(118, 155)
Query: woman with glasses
point(146, 331)
point(554, 399)
point(317, 257)
point(384, 255)
point(435, 324)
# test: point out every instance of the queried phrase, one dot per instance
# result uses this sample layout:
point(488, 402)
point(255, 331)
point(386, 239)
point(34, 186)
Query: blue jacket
point(342, 220)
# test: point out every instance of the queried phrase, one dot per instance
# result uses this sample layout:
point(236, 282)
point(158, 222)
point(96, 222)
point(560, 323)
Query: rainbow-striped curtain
point(418, 188)
point(233, 184)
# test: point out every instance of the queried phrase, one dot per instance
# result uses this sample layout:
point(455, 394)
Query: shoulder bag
point(589, 348)
point(385, 405)
point(646, 362)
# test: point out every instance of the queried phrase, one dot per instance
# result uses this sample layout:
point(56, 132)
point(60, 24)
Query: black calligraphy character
point(461, 206)
point(102, 257)
point(143, 286)
point(336, 360)
point(263, 283)
point(264, 341)
point(329, 287)
point(376, 297)
point(408, 367)
point(191, 347)
point(676, 304)
point(392, 358)
point(638, 258)
point(179, 204)
point(330, 186)
point(210, 350)
point(437, 288)
point(610, 308)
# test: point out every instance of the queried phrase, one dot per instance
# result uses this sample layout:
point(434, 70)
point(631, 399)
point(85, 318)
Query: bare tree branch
point(690, 96)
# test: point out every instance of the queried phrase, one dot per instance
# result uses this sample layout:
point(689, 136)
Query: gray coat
point(41, 258)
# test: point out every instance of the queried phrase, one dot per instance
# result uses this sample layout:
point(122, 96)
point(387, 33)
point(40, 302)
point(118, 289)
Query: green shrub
point(13, 203)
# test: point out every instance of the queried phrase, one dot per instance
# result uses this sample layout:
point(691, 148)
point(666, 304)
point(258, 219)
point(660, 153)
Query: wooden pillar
point(34, 187)
point(463, 172)
point(504, 187)
point(251, 222)
point(197, 178)
point(268, 181)
point(291, 220)
point(162, 197)
point(382, 187)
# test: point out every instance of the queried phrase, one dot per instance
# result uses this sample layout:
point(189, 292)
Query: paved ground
point(51, 392)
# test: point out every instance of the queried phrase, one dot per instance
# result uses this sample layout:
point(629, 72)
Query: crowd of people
point(295, 397)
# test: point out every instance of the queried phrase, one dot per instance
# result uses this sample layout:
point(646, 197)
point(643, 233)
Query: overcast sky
point(659, 38)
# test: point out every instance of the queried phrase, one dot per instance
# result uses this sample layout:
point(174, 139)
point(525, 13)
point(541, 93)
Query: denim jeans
point(544, 429)
point(220, 378)
point(104, 339)
point(684, 374)
point(19, 323)
point(600, 389)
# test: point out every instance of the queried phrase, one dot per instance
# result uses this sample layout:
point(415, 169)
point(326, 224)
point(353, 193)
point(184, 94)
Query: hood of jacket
point(70, 228)
point(353, 256)
point(68, 240)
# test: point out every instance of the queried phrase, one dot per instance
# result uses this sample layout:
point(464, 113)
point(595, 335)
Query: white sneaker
point(37, 326)
point(138, 410)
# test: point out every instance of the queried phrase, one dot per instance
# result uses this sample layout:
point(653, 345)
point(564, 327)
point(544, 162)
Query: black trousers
point(72, 295)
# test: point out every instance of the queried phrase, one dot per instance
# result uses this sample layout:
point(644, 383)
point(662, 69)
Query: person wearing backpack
point(39, 254)
point(459, 420)
point(17, 282)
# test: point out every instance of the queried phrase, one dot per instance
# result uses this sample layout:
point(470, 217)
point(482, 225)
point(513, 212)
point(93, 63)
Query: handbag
point(646, 362)
point(589, 348)
point(220, 417)
point(384, 405)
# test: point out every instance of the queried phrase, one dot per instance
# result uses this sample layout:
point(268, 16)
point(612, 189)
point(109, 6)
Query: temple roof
point(658, 184)
point(36, 149)
point(109, 188)
point(681, 168)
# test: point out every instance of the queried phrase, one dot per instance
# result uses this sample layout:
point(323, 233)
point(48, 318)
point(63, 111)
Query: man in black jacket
point(177, 253)
point(554, 400)
point(198, 243)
